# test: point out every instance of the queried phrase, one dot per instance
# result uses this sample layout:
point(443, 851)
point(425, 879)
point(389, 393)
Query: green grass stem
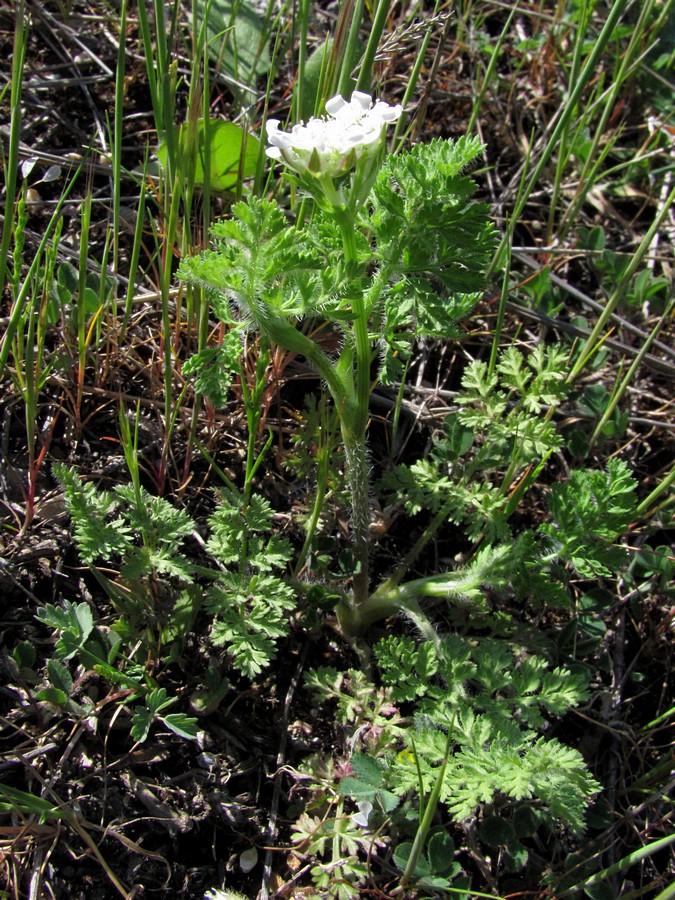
point(135, 250)
point(603, 138)
point(11, 163)
point(645, 508)
point(346, 79)
point(567, 112)
point(621, 388)
point(398, 139)
point(19, 307)
point(427, 817)
point(621, 866)
point(490, 71)
point(595, 338)
point(117, 139)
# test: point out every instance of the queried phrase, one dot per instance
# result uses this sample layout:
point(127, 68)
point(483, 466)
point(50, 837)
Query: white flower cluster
point(333, 145)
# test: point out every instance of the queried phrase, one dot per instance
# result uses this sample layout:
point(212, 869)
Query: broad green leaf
point(90, 301)
point(237, 43)
point(23, 654)
point(495, 831)
point(140, 727)
point(525, 821)
point(515, 857)
point(367, 769)
point(52, 695)
point(59, 676)
point(402, 855)
point(441, 853)
point(230, 149)
point(182, 725)
point(314, 76)
point(68, 278)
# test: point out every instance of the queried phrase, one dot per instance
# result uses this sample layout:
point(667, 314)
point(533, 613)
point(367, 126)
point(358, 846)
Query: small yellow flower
point(405, 756)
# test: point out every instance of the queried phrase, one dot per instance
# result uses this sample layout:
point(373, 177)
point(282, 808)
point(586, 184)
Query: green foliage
point(367, 784)
point(74, 621)
point(589, 512)
point(359, 702)
point(657, 563)
point(250, 604)
point(144, 535)
point(502, 430)
point(644, 288)
point(145, 530)
point(429, 276)
point(593, 403)
point(434, 243)
point(97, 534)
point(501, 427)
point(237, 42)
point(255, 253)
point(23, 659)
point(233, 153)
point(251, 612)
point(506, 407)
point(414, 664)
point(12, 800)
point(236, 524)
point(100, 650)
point(216, 367)
point(491, 703)
point(436, 868)
point(422, 219)
point(156, 701)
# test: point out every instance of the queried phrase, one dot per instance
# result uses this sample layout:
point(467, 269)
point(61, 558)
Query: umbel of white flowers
point(332, 145)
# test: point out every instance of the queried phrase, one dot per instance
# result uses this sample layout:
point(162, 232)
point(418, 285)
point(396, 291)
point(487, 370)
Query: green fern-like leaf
point(438, 242)
point(405, 666)
point(160, 523)
point(256, 251)
point(98, 531)
point(589, 513)
point(251, 613)
point(235, 524)
point(215, 367)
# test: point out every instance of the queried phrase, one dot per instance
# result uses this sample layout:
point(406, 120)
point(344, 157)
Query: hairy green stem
point(357, 473)
point(325, 443)
point(354, 424)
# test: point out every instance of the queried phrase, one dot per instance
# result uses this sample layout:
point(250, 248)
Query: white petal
point(279, 139)
point(390, 113)
point(335, 104)
point(248, 860)
point(356, 137)
point(361, 100)
point(333, 143)
point(372, 137)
